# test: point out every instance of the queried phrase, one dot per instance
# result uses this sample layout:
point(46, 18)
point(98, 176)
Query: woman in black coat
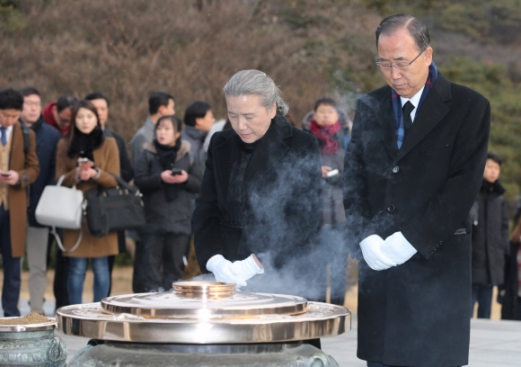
point(166, 175)
point(260, 193)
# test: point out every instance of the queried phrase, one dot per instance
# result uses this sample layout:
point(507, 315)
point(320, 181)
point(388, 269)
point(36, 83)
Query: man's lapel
point(430, 114)
point(386, 118)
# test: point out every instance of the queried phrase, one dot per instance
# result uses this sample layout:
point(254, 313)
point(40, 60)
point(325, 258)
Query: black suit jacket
point(283, 197)
point(127, 172)
point(417, 313)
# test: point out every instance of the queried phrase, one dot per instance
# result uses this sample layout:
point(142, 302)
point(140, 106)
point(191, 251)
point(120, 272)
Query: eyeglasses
point(386, 66)
point(33, 103)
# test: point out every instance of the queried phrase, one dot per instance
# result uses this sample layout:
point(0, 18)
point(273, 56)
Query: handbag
point(62, 207)
point(114, 209)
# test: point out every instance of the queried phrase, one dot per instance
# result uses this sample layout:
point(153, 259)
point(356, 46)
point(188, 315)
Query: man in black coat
point(411, 178)
point(489, 237)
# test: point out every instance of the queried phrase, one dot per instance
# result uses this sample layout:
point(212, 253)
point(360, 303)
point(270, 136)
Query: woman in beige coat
point(87, 159)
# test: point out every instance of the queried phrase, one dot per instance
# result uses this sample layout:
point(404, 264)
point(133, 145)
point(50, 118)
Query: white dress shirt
point(415, 100)
point(8, 131)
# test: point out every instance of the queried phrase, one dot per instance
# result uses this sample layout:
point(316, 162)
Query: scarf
point(37, 125)
point(397, 104)
point(326, 136)
point(82, 145)
point(167, 156)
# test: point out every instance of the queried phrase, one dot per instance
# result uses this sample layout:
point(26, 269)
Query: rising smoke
point(284, 229)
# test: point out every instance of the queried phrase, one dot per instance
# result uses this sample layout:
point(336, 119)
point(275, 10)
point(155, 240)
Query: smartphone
point(176, 171)
point(5, 174)
point(332, 173)
point(81, 160)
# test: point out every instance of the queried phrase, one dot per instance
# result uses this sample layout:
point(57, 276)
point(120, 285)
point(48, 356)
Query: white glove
point(223, 270)
point(237, 272)
point(373, 255)
point(397, 248)
point(247, 268)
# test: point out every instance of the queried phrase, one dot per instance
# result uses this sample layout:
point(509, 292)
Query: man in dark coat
point(489, 237)
point(47, 139)
point(411, 178)
point(19, 168)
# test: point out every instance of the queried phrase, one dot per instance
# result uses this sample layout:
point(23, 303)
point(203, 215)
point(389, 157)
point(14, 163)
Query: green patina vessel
point(32, 345)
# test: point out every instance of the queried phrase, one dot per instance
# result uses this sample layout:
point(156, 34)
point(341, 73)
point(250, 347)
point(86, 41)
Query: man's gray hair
point(247, 82)
point(416, 28)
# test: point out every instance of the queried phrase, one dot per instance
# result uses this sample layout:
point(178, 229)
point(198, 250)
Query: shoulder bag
point(114, 209)
point(62, 207)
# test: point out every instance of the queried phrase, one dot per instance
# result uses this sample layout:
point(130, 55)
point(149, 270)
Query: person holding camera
point(167, 174)
point(88, 160)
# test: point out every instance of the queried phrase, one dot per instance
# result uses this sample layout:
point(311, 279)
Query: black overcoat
point(283, 196)
point(510, 288)
point(417, 313)
point(490, 242)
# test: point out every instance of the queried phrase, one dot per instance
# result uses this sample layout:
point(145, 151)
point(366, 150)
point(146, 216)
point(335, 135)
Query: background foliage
point(128, 48)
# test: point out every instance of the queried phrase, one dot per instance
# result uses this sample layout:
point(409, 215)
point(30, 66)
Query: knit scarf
point(167, 156)
point(397, 104)
point(326, 136)
point(83, 145)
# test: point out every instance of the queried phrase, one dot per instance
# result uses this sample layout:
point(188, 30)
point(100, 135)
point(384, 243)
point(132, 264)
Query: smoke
point(282, 225)
point(306, 274)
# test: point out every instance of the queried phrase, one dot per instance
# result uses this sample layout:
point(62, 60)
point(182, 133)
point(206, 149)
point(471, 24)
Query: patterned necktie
point(407, 121)
point(3, 130)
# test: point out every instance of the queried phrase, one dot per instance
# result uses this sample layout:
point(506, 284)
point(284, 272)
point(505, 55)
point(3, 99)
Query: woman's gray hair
point(247, 82)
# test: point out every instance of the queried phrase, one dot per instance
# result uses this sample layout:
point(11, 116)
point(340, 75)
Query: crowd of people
point(71, 142)
point(412, 191)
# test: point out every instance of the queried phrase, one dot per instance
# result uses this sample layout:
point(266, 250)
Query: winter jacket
point(46, 141)
point(510, 288)
point(49, 118)
point(161, 215)
point(126, 170)
point(26, 164)
point(490, 235)
point(106, 158)
point(332, 186)
point(282, 193)
point(143, 136)
point(196, 139)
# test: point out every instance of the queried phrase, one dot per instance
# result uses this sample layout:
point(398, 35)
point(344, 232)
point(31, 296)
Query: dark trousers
point(12, 268)
point(61, 276)
point(112, 259)
point(483, 295)
point(158, 261)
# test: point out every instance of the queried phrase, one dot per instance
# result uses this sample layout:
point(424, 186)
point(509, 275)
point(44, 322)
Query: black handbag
point(114, 209)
